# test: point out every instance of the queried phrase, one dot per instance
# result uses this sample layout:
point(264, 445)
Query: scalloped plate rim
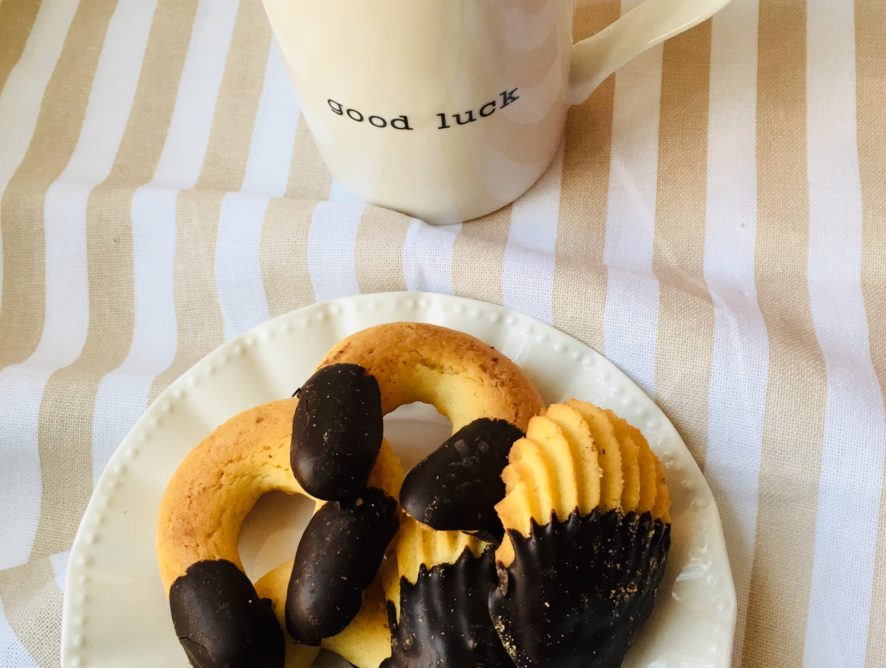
point(429, 307)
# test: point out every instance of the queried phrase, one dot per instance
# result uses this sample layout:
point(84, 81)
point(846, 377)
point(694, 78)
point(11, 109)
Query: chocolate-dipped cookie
point(338, 556)
point(444, 620)
point(437, 588)
point(585, 546)
point(220, 620)
point(336, 432)
point(456, 487)
point(578, 591)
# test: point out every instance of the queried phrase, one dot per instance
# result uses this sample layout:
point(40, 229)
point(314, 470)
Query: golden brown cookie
point(221, 479)
point(462, 377)
point(217, 485)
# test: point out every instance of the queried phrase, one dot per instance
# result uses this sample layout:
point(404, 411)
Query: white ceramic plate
point(116, 613)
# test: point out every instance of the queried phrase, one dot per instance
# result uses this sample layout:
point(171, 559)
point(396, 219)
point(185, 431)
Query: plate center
point(415, 431)
point(272, 530)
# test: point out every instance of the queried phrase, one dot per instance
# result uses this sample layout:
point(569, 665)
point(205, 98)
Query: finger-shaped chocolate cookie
point(336, 431)
point(456, 487)
point(338, 557)
point(221, 621)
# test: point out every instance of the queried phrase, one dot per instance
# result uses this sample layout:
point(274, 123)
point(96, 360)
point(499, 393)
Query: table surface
point(715, 223)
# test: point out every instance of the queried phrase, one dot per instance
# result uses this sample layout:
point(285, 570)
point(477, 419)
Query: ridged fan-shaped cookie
point(630, 455)
point(418, 545)
point(575, 587)
point(630, 465)
point(630, 469)
point(551, 440)
point(578, 456)
point(654, 495)
point(529, 474)
point(662, 507)
point(648, 482)
point(608, 452)
point(584, 453)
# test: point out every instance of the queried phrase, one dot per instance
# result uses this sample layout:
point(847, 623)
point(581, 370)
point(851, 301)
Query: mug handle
point(653, 21)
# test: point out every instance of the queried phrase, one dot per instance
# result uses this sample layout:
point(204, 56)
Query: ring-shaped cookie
point(218, 484)
point(462, 377)
point(220, 481)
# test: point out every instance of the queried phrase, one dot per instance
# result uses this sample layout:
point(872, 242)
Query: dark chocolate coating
point(444, 619)
point(337, 558)
point(336, 432)
point(578, 591)
point(457, 486)
point(221, 621)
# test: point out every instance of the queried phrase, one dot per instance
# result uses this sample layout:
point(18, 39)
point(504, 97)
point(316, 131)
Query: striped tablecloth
point(715, 223)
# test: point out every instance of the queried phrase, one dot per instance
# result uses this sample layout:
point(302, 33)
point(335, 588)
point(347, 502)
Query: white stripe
point(66, 320)
point(427, 256)
point(273, 136)
point(59, 563)
point(531, 247)
point(124, 392)
point(740, 356)
point(12, 652)
point(22, 94)
point(238, 277)
point(21, 389)
point(853, 442)
point(332, 246)
point(188, 136)
point(630, 316)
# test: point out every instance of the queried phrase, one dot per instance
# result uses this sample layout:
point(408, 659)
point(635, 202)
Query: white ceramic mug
point(449, 109)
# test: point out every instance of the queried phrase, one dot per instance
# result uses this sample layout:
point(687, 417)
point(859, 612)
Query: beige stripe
point(478, 256)
point(228, 149)
point(308, 176)
point(16, 19)
point(33, 605)
point(21, 211)
point(795, 401)
point(200, 324)
point(284, 255)
point(379, 247)
point(579, 292)
point(72, 391)
point(870, 53)
point(686, 320)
